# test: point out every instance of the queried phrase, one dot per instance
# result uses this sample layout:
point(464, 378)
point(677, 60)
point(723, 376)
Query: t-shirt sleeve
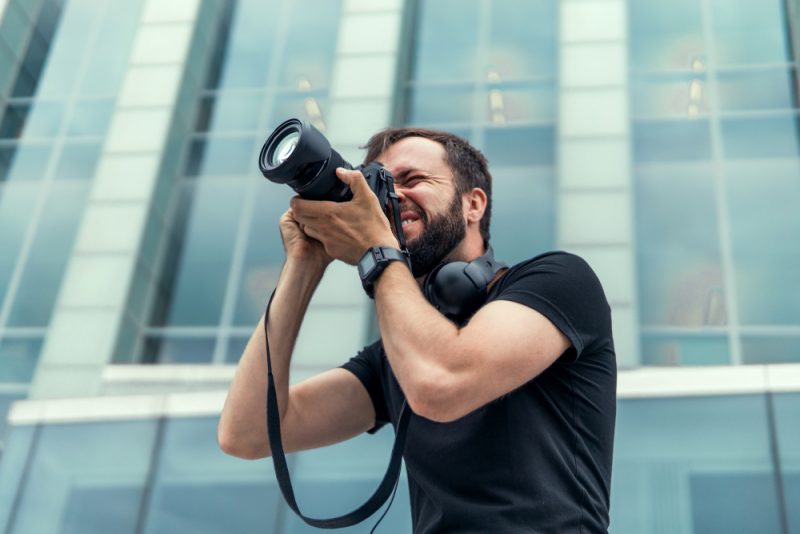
point(563, 288)
point(366, 366)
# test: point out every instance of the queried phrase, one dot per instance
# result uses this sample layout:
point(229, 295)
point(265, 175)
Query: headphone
point(458, 288)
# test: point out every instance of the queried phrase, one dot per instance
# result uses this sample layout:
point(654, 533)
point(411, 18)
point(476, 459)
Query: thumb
point(356, 181)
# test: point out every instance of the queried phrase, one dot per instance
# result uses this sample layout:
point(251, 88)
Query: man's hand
point(299, 246)
point(346, 229)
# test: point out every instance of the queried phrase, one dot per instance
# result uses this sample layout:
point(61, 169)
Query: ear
point(475, 204)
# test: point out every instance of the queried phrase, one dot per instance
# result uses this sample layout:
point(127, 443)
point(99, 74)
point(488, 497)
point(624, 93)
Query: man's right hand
point(298, 245)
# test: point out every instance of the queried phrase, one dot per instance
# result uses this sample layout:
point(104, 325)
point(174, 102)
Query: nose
point(401, 192)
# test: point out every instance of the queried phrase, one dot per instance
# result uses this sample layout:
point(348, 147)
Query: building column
point(94, 298)
point(595, 209)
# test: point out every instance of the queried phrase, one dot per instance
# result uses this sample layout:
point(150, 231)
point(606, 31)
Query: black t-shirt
point(537, 459)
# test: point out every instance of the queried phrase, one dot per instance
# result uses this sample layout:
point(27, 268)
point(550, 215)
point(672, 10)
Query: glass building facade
point(138, 242)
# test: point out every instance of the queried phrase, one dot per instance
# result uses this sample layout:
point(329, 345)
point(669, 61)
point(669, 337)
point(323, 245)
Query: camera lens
point(284, 148)
point(297, 154)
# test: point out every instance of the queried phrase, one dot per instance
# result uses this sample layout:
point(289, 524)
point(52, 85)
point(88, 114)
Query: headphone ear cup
point(452, 291)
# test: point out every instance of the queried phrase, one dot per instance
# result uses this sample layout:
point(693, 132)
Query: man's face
point(431, 210)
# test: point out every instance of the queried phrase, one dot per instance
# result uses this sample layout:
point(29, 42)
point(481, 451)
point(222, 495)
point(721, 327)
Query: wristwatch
point(374, 261)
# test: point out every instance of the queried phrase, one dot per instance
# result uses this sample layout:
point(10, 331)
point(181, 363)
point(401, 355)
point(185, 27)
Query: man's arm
point(447, 372)
point(324, 409)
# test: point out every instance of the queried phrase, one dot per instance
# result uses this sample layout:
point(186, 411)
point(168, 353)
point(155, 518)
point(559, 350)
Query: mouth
point(410, 221)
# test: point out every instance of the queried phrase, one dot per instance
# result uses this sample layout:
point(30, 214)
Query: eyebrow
point(403, 174)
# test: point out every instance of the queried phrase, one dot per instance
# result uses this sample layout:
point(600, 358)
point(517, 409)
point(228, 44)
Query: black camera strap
point(384, 489)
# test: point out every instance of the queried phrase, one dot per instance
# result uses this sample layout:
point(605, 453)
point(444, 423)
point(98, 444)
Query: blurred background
point(138, 242)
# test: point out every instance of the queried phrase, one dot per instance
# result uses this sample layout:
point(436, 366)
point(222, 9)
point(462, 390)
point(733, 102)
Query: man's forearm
point(242, 427)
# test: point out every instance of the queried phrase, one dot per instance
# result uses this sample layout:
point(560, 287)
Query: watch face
point(366, 264)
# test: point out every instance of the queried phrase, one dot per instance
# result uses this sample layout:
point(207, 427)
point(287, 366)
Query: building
point(138, 243)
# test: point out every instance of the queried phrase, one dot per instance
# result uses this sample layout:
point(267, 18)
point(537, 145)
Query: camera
point(298, 154)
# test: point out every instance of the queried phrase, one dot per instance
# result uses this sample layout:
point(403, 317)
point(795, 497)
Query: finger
point(307, 210)
point(358, 184)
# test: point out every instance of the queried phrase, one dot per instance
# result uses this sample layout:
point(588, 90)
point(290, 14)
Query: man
point(513, 411)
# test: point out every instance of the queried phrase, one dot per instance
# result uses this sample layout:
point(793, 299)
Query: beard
point(441, 234)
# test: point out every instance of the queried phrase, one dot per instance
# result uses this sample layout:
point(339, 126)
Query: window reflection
point(670, 350)
point(18, 359)
point(178, 350)
point(77, 161)
point(24, 161)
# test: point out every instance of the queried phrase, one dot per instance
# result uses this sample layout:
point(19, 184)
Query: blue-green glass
point(90, 117)
point(211, 210)
point(665, 35)
point(446, 104)
point(13, 121)
point(761, 89)
point(518, 146)
point(78, 161)
point(24, 161)
point(761, 137)
point(671, 140)
point(749, 32)
point(294, 104)
point(446, 46)
point(670, 350)
point(517, 49)
point(264, 255)
point(236, 346)
point(678, 257)
point(763, 202)
point(177, 350)
point(696, 464)
point(770, 349)
point(336, 479)
point(45, 119)
point(787, 423)
point(86, 478)
point(309, 49)
point(6, 402)
point(52, 245)
point(222, 156)
point(69, 45)
point(526, 103)
point(18, 359)
point(14, 26)
point(523, 212)
point(17, 441)
point(250, 47)
point(669, 95)
point(200, 490)
point(107, 62)
point(16, 209)
point(231, 112)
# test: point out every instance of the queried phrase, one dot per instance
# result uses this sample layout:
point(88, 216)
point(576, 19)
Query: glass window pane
point(515, 146)
point(516, 51)
point(770, 349)
point(13, 121)
point(447, 104)
point(224, 495)
point(763, 201)
point(678, 258)
point(669, 350)
point(90, 117)
point(230, 112)
point(446, 45)
point(87, 478)
point(787, 406)
point(309, 105)
point(221, 156)
point(236, 346)
point(16, 450)
point(172, 349)
point(70, 42)
point(212, 212)
point(671, 140)
point(78, 161)
point(761, 89)
point(16, 209)
point(522, 195)
point(665, 35)
point(749, 32)
point(249, 51)
point(52, 245)
point(698, 464)
point(308, 54)
point(753, 138)
point(24, 162)
point(264, 255)
point(45, 119)
point(18, 359)
point(674, 95)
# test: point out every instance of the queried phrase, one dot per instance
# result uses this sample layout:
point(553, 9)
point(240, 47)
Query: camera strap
point(384, 489)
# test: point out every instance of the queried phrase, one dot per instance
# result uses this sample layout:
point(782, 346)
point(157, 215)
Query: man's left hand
point(346, 229)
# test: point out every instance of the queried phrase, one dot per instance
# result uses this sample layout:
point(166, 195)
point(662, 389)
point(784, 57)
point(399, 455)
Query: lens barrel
point(297, 154)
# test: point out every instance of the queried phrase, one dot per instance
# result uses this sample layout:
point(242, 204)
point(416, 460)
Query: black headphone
point(458, 288)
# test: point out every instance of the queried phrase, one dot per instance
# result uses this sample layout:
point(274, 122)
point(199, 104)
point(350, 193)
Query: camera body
point(298, 154)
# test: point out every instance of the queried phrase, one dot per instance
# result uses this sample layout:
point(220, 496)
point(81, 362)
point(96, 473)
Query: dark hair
point(468, 164)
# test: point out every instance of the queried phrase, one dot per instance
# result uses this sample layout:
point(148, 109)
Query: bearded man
point(512, 407)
